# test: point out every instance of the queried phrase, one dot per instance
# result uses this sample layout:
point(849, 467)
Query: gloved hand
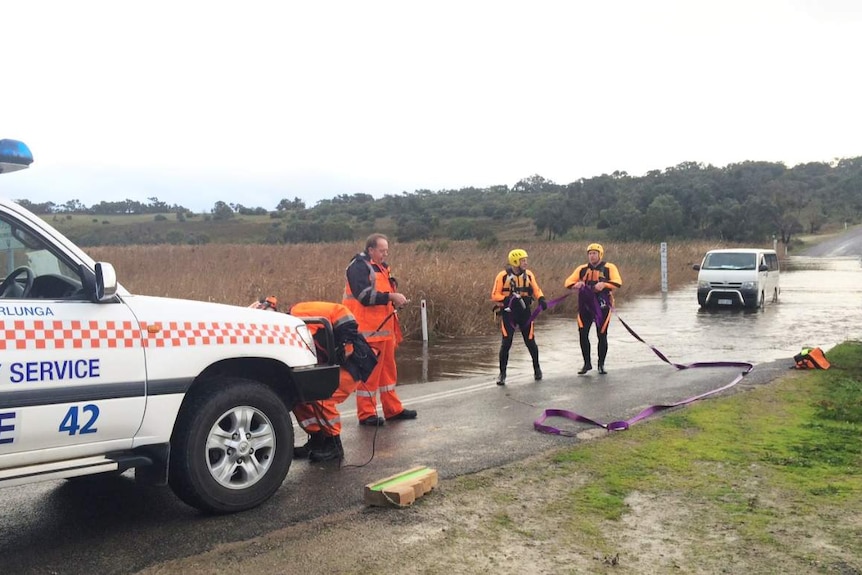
point(543, 303)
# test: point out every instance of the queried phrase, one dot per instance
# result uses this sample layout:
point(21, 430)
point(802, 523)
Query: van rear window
point(729, 261)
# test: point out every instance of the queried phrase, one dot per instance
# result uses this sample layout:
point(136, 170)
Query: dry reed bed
point(453, 277)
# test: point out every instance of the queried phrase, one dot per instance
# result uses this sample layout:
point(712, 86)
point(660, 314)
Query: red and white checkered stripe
point(189, 333)
point(77, 334)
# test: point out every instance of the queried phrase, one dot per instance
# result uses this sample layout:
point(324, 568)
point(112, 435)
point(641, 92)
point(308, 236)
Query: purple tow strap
point(551, 303)
point(542, 427)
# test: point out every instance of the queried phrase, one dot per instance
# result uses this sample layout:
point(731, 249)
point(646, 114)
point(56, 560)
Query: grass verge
point(767, 481)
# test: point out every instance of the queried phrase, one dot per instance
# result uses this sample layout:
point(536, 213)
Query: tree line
point(747, 201)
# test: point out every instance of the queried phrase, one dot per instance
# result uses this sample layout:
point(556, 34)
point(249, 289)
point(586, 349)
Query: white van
point(738, 277)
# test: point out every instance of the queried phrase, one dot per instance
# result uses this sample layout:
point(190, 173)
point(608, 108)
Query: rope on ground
point(543, 427)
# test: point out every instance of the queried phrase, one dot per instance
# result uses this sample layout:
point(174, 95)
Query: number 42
point(70, 421)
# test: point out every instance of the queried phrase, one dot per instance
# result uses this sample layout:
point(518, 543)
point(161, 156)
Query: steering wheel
point(11, 287)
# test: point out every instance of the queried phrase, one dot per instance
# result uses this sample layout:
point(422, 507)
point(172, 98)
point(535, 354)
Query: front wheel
point(232, 446)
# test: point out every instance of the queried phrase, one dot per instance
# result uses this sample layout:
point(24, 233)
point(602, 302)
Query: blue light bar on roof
point(14, 155)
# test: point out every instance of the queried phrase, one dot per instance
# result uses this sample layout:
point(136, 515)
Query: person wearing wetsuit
point(595, 281)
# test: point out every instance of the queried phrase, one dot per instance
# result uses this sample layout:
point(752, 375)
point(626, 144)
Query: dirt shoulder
point(766, 481)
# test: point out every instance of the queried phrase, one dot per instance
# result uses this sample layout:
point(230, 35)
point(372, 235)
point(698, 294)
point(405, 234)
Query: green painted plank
point(407, 476)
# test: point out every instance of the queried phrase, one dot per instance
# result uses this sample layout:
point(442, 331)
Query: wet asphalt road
point(115, 526)
point(847, 244)
point(464, 425)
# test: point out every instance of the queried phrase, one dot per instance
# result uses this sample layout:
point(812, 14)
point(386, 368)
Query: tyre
point(754, 304)
point(775, 295)
point(231, 447)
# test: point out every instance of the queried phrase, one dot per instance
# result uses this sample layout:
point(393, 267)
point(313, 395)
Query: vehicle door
point(762, 275)
point(72, 372)
point(773, 276)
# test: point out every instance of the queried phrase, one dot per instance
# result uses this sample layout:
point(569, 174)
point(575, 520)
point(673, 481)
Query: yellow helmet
point(515, 257)
point(597, 248)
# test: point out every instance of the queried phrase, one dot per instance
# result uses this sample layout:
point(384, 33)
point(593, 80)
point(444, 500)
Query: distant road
point(847, 243)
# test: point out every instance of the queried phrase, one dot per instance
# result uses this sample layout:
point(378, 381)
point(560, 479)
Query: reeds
point(454, 278)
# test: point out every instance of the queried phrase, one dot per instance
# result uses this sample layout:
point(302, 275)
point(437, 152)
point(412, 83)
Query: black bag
point(362, 361)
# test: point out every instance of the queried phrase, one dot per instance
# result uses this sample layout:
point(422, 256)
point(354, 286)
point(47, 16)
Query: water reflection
point(820, 305)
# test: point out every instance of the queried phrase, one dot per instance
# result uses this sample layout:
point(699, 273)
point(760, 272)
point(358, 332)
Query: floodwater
point(820, 305)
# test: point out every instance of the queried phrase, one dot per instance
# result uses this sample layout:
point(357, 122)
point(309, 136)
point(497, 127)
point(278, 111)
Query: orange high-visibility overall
point(323, 415)
point(366, 294)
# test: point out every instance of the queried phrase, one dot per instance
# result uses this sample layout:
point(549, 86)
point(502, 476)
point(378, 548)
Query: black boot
point(587, 367)
point(534, 354)
point(330, 450)
point(603, 352)
point(504, 361)
point(316, 440)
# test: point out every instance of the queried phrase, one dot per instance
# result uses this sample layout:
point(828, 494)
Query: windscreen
point(729, 261)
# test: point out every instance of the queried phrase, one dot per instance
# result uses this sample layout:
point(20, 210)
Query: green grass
point(798, 442)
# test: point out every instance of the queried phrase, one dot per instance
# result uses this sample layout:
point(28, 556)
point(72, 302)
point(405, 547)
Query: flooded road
point(820, 305)
point(114, 526)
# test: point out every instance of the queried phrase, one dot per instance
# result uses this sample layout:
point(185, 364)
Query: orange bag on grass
point(811, 358)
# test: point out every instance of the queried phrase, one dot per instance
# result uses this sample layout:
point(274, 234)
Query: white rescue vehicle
point(94, 379)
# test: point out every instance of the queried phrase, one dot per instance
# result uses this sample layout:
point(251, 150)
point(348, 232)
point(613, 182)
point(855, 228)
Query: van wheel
point(762, 302)
point(775, 295)
point(232, 446)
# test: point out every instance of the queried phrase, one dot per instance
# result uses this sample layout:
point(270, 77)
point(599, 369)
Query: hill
point(746, 202)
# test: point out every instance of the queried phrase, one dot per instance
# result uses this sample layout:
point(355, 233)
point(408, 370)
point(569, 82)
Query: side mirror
point(106, 282)
point(696, 267)
point(763, 268)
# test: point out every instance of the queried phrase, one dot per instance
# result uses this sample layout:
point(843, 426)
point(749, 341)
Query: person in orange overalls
point(371, 295)
point(321, 419)
point(596, 280)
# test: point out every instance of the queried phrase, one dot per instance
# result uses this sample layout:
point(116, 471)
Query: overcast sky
point(251, 102)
